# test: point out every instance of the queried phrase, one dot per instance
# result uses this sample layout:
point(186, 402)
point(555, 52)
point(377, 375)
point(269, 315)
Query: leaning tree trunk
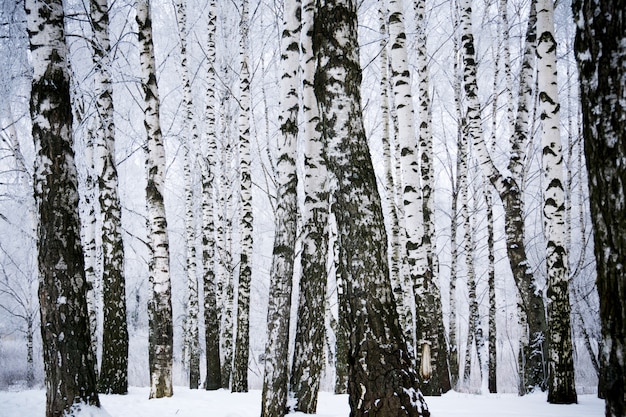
point(382, 380)
point(160, 304)
point(114, 364)
point(211, 321)
point(561, 384)
point(242, 337)
point(308, 359)
point(601, 53)
point(69, 360)
point(276, 376)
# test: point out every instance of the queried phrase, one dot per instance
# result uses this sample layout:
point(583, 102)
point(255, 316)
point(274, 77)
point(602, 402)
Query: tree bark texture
point(601, 54)
point(382, 380)
point(276, 377)
point(160, 320)
point(211, 314)
point(69, 360)
point(561, 384)
point(242, 337)
point(113, 377)
point(308, 359)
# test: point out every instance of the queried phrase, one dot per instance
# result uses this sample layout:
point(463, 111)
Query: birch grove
point(319, 205)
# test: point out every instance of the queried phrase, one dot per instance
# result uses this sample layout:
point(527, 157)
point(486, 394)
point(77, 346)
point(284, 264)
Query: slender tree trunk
point(160, 304)
point(532, 308)
point(190, 140)
point(308, 359)
point(561, 385)
point(382, 379)
point(225, 286)
point(114, 364)
point(242, 341)
point(276, 377)
point(395, 246)
point(69, 360)
point(211, 321)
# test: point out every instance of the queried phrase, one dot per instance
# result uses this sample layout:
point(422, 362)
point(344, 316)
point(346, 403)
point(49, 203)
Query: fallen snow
point(222, 403)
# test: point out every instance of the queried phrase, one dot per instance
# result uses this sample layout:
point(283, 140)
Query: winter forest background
point(500, 31)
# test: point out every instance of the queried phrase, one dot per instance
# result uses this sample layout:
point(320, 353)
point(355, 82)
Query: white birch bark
point(69, 360)
point(309, 340)
point(242, 337)
point(276, 378)
point(561, 385)
point(209, 245)
point(382, 379)
point(160, 304)
point(190, 141)
point(114, 364)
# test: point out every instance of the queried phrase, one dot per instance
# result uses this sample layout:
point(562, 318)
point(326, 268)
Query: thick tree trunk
point(382, 380)
point(601, 53)
point(308, 360)
point(114, 364)
point(160, 305)
point(242, 337)
point(276, 377)
point(211, 314)
point(69, 360)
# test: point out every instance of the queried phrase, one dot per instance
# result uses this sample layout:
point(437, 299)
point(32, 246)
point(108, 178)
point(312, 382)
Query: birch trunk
point(561, 385)
point(69, 360)
point(600, 51)
point(114, 364)
point(308, 360)
point(211, 314)
point(190, 140)
point(532, 310)
point(242, 341)
point(276, 377)
point(160, 304)
point(381, 379)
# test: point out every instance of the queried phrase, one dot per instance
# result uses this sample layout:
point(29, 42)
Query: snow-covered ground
point(199, 403)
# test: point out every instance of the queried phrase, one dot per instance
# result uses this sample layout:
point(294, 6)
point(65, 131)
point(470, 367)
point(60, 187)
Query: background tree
point(601, 55)
point(68, 357)
point(242, 336)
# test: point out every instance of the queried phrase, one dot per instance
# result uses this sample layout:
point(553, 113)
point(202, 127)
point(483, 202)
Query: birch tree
point(308, 357)
point(190, 140)
point(382, 379)
point(160, 304)
point(242, 341)
point(276, 377)
point(561, 385)
point(113, 377)
point(69, 360)
point(211, 322)
point(532, 307)
point(601, 55)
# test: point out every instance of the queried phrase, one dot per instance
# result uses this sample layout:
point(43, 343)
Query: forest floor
point(222, 403)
